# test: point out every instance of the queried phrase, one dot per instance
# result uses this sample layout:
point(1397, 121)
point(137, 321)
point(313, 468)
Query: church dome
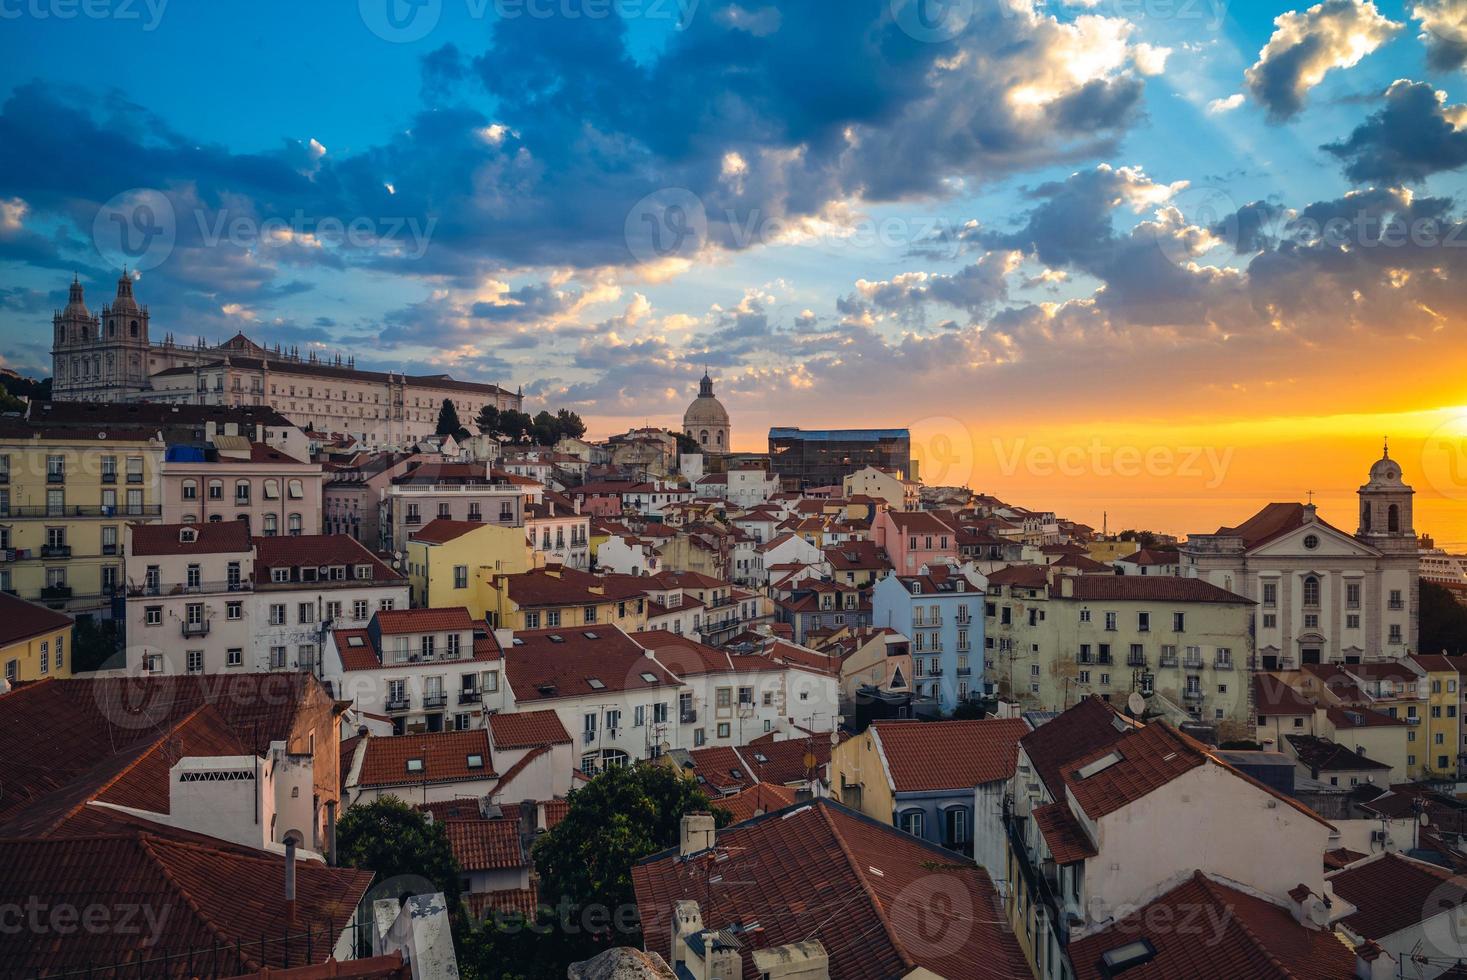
point(1386, 472)
point(705, 409)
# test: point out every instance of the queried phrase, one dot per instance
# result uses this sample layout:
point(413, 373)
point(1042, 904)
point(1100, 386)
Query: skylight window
point(415, 765)
point(556, 638)
point(354, 641)
point(476, 761)
point(595, 682)
point(760, 757)
point(650, 678)
point(589, 635)
point(1124, 957)
point(1099, 765)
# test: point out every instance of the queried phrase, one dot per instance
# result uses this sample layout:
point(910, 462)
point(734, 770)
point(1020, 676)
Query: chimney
point(697, 832)
point(687, 920)
point(805, 960)
point(1373, 963)
point(290, 880)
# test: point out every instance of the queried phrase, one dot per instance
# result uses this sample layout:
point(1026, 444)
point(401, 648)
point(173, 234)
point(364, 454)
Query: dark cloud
point(1412, 137)
point(1308, 44)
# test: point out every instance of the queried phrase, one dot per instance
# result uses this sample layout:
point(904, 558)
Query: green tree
point(1443, 621)
point(620, 817)
point(488, 420)
point(400, 844)
point(448, 423)
point(687, 445)
point(543, 429)
point(94, 645)
point(514, 424)
point(8, 402)
point(569, 425)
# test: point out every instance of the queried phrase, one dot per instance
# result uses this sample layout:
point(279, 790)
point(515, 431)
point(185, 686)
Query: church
point(1322, 595)
point(110, 357)
point(706, 420)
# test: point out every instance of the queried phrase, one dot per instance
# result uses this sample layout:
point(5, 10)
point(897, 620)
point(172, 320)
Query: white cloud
point(1218, 106)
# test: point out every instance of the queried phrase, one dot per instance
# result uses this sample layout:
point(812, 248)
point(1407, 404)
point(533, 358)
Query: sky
point(1147, 262)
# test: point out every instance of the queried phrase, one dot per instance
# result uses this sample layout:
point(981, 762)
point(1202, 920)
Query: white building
point(425, 669)
point(1323, 595)
point(558, 533)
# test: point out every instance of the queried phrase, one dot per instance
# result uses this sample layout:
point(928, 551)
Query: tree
point(448, 423)
point(406, 851)
point(544, 429)
point(569, 424)
point(620, 817)
point(1443, 621)
point(94, 645)
point(488, 420)
point(687, 445)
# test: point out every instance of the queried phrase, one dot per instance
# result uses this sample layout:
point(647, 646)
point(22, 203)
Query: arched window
point(719, 438)
point(272, 489)
point(1365, 516)
point(294, 524)
point(703, 437)
point(296, 489)
point(190, 489)
point(216, 489)
point(133, 327)
point(271, 525)
point(1393, 518)
point(1311, 590)
point(912, 821)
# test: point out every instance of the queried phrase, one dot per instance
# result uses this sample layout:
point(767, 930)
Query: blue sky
point(822, 202)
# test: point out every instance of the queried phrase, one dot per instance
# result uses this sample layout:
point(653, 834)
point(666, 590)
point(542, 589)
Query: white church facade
point(1321, 594)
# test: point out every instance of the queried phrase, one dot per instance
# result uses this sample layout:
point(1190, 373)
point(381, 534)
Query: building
point(928, 779)
point(350, 493)
point(35, 642)
point(206, 598)
point(557, 597)
point(427, 670)
point(825, 457)
point(903, 907)
point(452, 563)
point(706, 421)
point(941, 612)
point(1323, 595)
point(914, 539)
point(1408, 909)
point(1050, 643)
point(111, 357)
point(234, 479)
point(558, 532)
point(65, 494)
point(452, 491)
point(891, 486)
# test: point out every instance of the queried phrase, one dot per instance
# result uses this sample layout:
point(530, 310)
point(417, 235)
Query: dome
point(1386, 472)
point(706, 409)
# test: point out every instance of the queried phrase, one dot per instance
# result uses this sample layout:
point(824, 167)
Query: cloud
point(1306, 46)
point(1443, 32)
point(1414, 135)
point(1218, 106)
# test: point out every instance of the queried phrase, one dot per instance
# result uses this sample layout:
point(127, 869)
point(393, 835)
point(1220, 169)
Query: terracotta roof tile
point(1063, 835)
point(757, 799)
point(523, 729)
point(395, 621)
point(1259, 940)
point(1088, 726)
point(1154, 588)
point(222, 537)
point(560, 663)
point(923, 756)
point(484, 845)
point(21, 620)
point(789, 869)
point(1395, 892)
point(315, 550)
point(442, 757)
point(441, 530)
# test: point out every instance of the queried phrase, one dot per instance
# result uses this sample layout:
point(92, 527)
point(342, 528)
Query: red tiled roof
point(522, 901)
point(1341, 857)
point(1321, 755)
point(523, 729)
point(924, 756)
point(1023, 576)
point(312, 550)
point(441, 530)
point(757, 799)
point(1271, 696)
point(1270, 522)
point(483, 845)
point(1085, 728)
point(1258, 939)
point(863, 889)
point(1146, 556)
point(688, 658)
point(561, 586)
point(1063, 834)
point(389, 967)
point(1150, 757)
point(444, 757)
point(917, 522)
point(540, 666)
point(221, 537)
point(214, 896)
point(393, 621)
point(1395, 892)
point(727, 768)
point(20, 620)
point(1153, 588)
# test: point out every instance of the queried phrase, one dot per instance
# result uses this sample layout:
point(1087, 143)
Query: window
point(305, 613)
point(1084, 615)
point(532, 620)
point(359, 610)
point(1352, 595)
point(1270, 621)
point(1395, 633)
point(957, 825)
point(277, 658)
point(1352, 621)
point(552, 618)
point(1270, 594)
point(1143, 622)
point(1179, 622)
point(242, 491)
point(1110, 621)
point(911, 822)
point(277, 614)
point(216, 489)
point(1311, 590)
point(190, 489)
point(233, 657)
point(153, 616)
point(460, 576)
point(195, 661)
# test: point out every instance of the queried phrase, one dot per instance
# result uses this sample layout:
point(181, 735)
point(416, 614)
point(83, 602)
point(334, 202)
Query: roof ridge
point(886, 924)
point(1211, 887)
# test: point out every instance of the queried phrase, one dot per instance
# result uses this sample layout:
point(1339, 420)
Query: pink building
point(914, 538)
point(235, 479)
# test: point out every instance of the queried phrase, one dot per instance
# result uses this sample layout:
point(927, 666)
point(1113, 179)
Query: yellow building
point(558, 597)
point(451, 563)
point(65, 494)
point(35, 642)
point(1442, 722)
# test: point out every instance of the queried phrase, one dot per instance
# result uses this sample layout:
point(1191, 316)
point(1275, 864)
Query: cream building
point(110, 357)
point(1323, 595)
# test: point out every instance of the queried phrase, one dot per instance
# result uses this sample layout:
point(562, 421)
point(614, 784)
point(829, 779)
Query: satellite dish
point(1318, 912)
point(1136, 704)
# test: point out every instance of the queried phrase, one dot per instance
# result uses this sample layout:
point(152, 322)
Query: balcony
point(413, 519)
point(470, 697)
point(431, 701)
point(195, 629)
point(588, 737)
point(965, 671)
point(134, 478)
point(55, 477)
point(109, 477)
point(398, 704)
point(1192, 694)
point(55, 551)
point(1221, 664)
point(1192, 663)
point(1409, 719)
point(1135, 660)
point(1168, 662)
point(42, 510)
point(1104, 659)
point(53, 592)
